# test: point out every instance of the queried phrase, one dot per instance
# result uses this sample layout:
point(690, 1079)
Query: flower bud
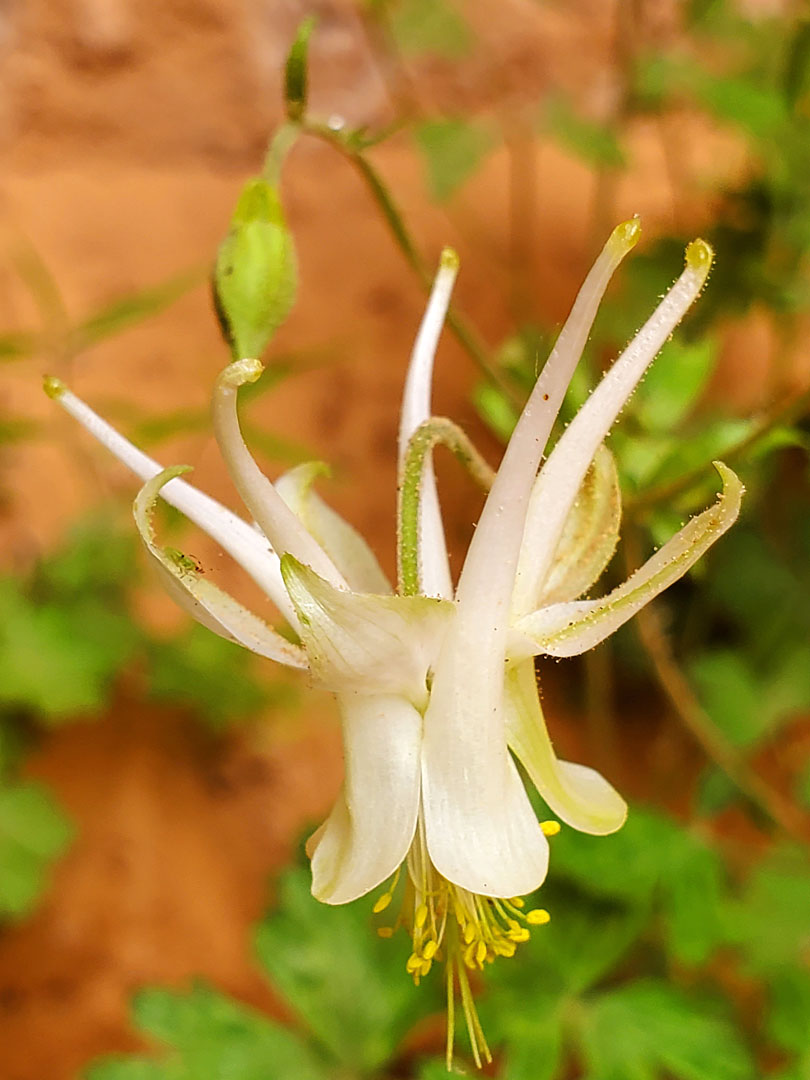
point(255, 274)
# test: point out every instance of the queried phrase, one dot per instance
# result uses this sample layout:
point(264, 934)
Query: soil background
point(127, 130)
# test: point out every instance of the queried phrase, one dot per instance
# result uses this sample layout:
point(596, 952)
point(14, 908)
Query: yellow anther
point(382, 903)
point(520, 933)
point(414, 963)
point(537, 916)
point(517, 901)
point(504, 948)
point(426, 966)
point(469, 933)
point(550, 828)
point(420, 918)
point(385, 931)
point(429, 951)
point(513, 924)
point(480, 952)
point(469, 956)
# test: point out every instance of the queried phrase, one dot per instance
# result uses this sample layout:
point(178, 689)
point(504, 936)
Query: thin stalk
point(779, 810)
point(463, 330)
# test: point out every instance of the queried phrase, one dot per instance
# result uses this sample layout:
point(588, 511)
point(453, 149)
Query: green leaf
point(625, 867)
point(430, 26)
point(56, 660)
point(347, 984)
point(769, 923)
point(749, 704)
point(135, 308)
point(674, 383)
point(255, 276)
point(592, 142)
point(212, 677)
point(693, 897)
point(648, 1028)
point(453, 150)
point(33, 832)
point(729, 692)
point(296, 75)
point(212, 1038)
point(498, 414)
point(788, 1009)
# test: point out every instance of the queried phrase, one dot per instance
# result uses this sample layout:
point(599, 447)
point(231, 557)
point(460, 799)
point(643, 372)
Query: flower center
point(463, 929)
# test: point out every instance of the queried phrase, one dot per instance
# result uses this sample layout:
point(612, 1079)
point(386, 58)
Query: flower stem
point(683, 699)
point(464, 333)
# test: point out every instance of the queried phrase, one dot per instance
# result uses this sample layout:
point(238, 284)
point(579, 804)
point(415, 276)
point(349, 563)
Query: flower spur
point(436, 684)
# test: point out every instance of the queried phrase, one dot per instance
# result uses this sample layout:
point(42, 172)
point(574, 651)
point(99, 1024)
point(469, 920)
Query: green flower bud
point(255, 274)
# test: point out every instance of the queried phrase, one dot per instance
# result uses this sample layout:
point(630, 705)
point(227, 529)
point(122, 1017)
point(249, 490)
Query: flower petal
point(572, 628)
point(590, 533)
point(342, 542)
point(208, 604)
point(278, 523)
point(578, 795)
point(481, 831)
point(571, 457)
point(368, 833)
point(363, 643)
point(234, 535)
point(434, 568)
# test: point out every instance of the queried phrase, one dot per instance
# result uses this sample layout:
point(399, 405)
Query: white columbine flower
point(435, 684)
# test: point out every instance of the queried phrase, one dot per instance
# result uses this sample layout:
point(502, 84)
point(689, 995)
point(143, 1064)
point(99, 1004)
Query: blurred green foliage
point(679, 949)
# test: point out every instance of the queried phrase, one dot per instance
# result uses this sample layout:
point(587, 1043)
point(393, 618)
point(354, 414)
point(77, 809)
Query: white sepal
point(579, 796)
point(341, 541)
point(208, 604)
point(569, 629)
point(244, 543)
point(360, 643)
point(371, 826)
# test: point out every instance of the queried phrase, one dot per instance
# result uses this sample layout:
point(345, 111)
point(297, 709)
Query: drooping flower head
point(435, 680)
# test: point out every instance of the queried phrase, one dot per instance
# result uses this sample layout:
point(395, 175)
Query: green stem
point(277, 151)
point(463, 331)
point(437, 430)
point(776, 807)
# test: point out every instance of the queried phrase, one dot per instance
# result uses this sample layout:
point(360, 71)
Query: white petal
point(248, 547)
point(434, 568)
point(579, 796)
point(363, 643)
point(590, 533)
point(278, 523)
point(372, 824)
point(571, 628)
point(481, 831)
point(568, 463)
point(209, 605)
point(342, 542)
